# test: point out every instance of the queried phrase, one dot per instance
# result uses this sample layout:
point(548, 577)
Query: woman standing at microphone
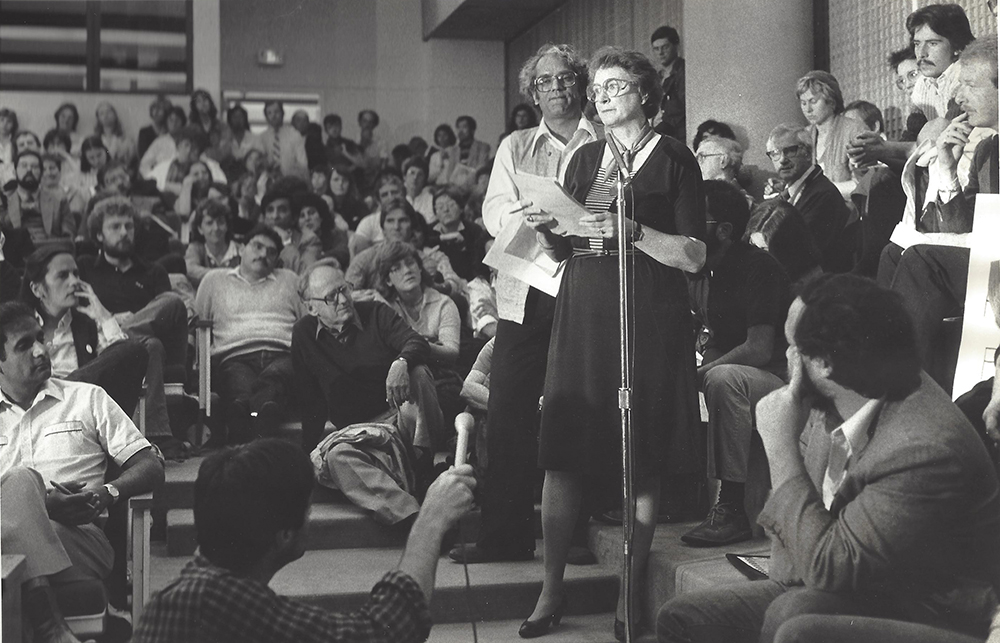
point(580, 433)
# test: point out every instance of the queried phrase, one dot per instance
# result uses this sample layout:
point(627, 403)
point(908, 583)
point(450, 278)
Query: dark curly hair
point(864, 332)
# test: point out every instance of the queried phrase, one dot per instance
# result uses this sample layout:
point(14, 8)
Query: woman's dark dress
point(581, 425)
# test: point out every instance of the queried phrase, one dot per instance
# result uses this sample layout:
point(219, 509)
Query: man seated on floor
point(802, 183)
point(138, 294)
point(744, 307)
point(928, 259)
point(884, 501)
point(58, 438)
point(361, 362)
point(85, 342)
point(252, 308)
point(251, 504)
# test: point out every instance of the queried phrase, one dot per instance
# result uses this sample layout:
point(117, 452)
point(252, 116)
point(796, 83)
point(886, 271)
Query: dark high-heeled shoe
point(533, 629)
point(619, 629)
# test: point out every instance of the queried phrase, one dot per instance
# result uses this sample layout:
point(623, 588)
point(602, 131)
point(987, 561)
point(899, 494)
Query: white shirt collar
point(543, 130)
point(855, 428)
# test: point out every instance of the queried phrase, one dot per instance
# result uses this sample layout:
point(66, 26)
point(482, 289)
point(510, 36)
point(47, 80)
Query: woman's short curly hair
point(389, 255)
point(636, 65)
point(526, 77)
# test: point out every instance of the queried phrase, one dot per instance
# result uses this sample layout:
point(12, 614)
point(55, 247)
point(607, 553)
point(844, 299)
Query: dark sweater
point(343, 379)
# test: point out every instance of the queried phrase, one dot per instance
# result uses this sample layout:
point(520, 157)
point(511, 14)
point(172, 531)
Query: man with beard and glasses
point(252, 308)
point(884, 501)
point(45, 214)
point(554, 79)
point(138, 294)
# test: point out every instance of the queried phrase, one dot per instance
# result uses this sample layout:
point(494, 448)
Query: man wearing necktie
point(885, 502)
point(285, 147)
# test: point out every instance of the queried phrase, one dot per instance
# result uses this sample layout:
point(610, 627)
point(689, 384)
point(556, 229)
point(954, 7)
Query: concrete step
point(589, 628)
point(341, 580)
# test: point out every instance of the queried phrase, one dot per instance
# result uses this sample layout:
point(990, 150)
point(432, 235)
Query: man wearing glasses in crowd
point(554, 80)
point(802, 183)
point(360, 362)
point(252, 308)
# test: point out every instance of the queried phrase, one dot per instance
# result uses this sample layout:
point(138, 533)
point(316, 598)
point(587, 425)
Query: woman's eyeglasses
point(611, 87)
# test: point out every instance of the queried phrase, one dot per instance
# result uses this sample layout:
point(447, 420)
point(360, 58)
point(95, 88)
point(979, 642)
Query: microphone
point(463, 427)
point(613, 144)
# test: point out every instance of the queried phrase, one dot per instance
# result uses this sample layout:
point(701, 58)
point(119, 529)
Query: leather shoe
point(472, 553)
point(541, 627)
point(726, 524)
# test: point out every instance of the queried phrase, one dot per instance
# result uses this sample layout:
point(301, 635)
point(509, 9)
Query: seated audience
point(319, 182)
point(315, 235)
point(138, 294)
point(939, 33)
point(523, 116)
point(252, 308)
point(67, 119)
point(212, 245)
point(84, 341)
point(482, 295)
point(721, 159)
point(251, 505)
point(418, 145)
point(457, 165)
point(93, 157)
point(241, 138)
point(868, 114)
point(58, 144)
point(276, 213)
point(372, 150)
point(55, 491)
point(164, 147)
point(361, 363)
point(196, 188)
point(283, 145)
point(190, 147)
point(905, 69)
point(444, 137)
point(401, 223)
point(157, 127)
point(27, 140)
point(205, 115)
point(711, 128)
point(931, 270)
point(743, 360)
point(822, 104)
point(120, 147)
point(418, 193)
point(458, 241)
point(346, 201)
point(8, 127)
point(389, 187)
point(339, 150)
point(803, 184)
point(44, 213)
point(405, 284)
point(777, 227)
point(884, 502)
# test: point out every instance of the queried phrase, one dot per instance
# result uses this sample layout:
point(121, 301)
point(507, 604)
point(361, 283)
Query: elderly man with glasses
point(802, 183)
point(252, 308)
point(361, 366)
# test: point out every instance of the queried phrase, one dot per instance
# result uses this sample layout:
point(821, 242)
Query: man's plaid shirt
point(210, 604)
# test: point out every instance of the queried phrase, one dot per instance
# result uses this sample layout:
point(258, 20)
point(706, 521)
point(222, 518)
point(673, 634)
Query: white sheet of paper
point(980, 334)
point(516, 253)
point(548, 195)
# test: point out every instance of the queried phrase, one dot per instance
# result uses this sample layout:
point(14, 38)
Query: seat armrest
point(140, 519)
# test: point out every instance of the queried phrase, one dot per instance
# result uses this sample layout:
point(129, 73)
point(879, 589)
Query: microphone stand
point(625, 393)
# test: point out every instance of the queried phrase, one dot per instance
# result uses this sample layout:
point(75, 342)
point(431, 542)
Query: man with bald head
point(357, 361)
point(720, 159)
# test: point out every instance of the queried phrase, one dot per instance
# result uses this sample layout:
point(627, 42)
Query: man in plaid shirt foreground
point(251, 505)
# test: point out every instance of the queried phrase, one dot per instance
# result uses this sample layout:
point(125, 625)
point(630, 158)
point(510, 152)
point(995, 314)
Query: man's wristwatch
point(113, 492)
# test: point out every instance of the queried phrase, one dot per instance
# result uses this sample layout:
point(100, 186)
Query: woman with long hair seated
point(315, 236)
point(212, 245)
point(196, 187)
point(93, 157)
point(346, 201)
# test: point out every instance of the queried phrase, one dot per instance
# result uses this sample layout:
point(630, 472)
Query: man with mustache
point(939, 33)
point(884, 500)
point(45, 214)
point(58, 439)
point(252, 308)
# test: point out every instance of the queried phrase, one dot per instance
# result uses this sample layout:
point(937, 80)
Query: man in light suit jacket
point(44, 213)
point(884, 502)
